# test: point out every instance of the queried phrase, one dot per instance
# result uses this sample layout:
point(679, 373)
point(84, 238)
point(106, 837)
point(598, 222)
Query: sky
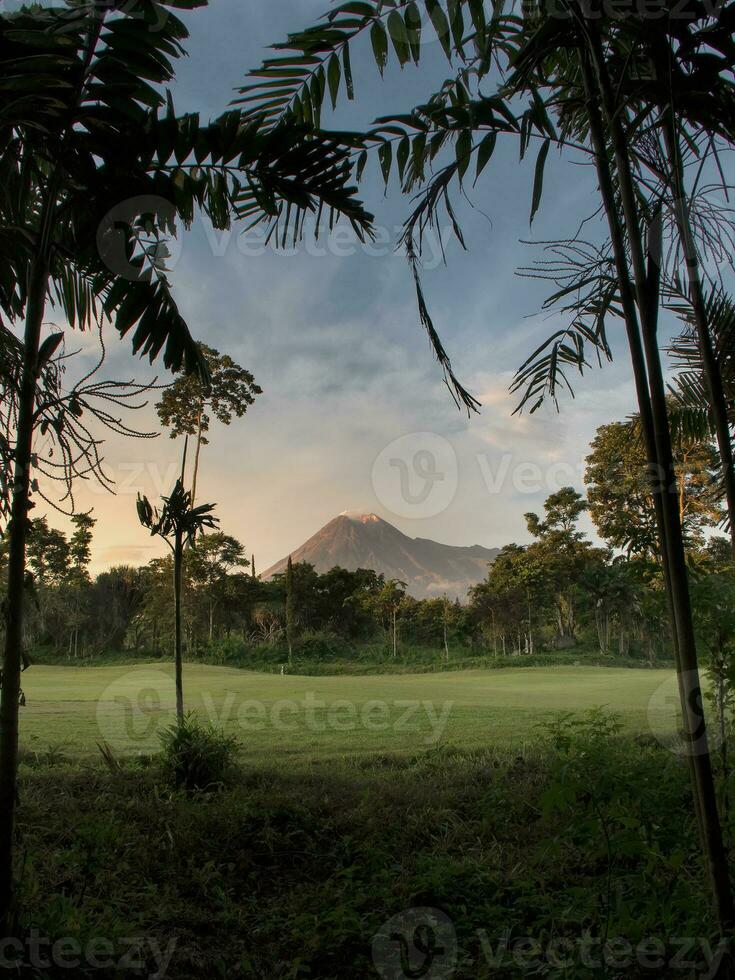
point(354, 415)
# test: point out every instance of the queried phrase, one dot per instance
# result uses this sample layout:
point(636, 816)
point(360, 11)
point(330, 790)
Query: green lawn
point(286, 717)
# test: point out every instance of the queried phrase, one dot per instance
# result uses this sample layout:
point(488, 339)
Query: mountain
point(367, 541)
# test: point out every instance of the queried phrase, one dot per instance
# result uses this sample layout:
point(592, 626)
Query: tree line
point(560, 591)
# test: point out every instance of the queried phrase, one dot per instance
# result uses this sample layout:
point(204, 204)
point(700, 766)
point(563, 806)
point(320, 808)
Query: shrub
point(227, 650)
point(322, 645)
point(197, 757)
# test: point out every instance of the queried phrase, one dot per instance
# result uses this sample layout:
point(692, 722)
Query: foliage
point(177, 519)
point(620, 488)
point(186, 404)
point(195, 757)
point(475, 833)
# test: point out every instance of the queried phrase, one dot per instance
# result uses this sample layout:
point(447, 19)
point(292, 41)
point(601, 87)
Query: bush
point(322, 645)
point(227, 650)
point(196, 757)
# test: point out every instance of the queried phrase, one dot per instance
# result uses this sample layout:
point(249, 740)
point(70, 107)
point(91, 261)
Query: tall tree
point(620, 494)
point(210, 566)
point(187, 406)
point(80, 544)
point(178, 522)
point(563, 552)
point(290, 608)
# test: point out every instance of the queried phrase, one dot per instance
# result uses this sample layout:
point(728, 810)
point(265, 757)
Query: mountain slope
point(367, 541)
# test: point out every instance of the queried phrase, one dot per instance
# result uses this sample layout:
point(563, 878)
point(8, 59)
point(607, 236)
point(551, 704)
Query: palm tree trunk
point(12, 659)
point(710, 364)
point(178, 568)
point(688, 667)
point(630, 316)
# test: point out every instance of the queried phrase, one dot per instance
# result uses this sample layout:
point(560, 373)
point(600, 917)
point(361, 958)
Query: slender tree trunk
point(178, 569)
point(290, 609)
point(446, 645)
point(530, 622)
point(630, 314)
point(710, 364)
point(690, 684)
point(14, 601)
point(195, 473)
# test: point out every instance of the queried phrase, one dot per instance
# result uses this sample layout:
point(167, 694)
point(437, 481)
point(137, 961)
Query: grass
point(292, 871)
point(71, 709)
point(337, 826)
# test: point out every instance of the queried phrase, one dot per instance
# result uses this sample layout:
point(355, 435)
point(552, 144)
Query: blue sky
point(334, 341)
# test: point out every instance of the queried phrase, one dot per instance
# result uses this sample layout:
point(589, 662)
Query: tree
point(80, 552)
point(620, 495)
point(512, 601)
point(290, 608)
point(117, 598)
point(178, 523)
point(562, 552)
point(48, 553)
point(387, 602)
point(187, 406)
point(210, 566)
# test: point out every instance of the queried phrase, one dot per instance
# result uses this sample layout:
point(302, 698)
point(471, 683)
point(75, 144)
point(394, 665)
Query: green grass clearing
point(293, 717)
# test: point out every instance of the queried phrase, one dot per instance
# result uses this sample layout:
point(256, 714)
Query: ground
point(360, 806)
point(72, 709)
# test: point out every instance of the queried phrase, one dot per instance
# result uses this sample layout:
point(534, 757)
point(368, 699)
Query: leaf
point(385, 155)
point(334, 74)
point(538, 178)
point(441, 26)
point(347, 66)
point(48, 348)
point(404, 150)
point(463, 151)
point(484, 152)
point(399, 36)
point(412, 18)
point(379, 40)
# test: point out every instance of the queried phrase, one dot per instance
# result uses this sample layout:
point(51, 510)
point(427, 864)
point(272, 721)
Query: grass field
point(349, 819)
point(293, 717)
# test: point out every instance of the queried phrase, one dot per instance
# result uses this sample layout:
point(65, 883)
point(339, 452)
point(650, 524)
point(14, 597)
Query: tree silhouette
point(188, 405)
